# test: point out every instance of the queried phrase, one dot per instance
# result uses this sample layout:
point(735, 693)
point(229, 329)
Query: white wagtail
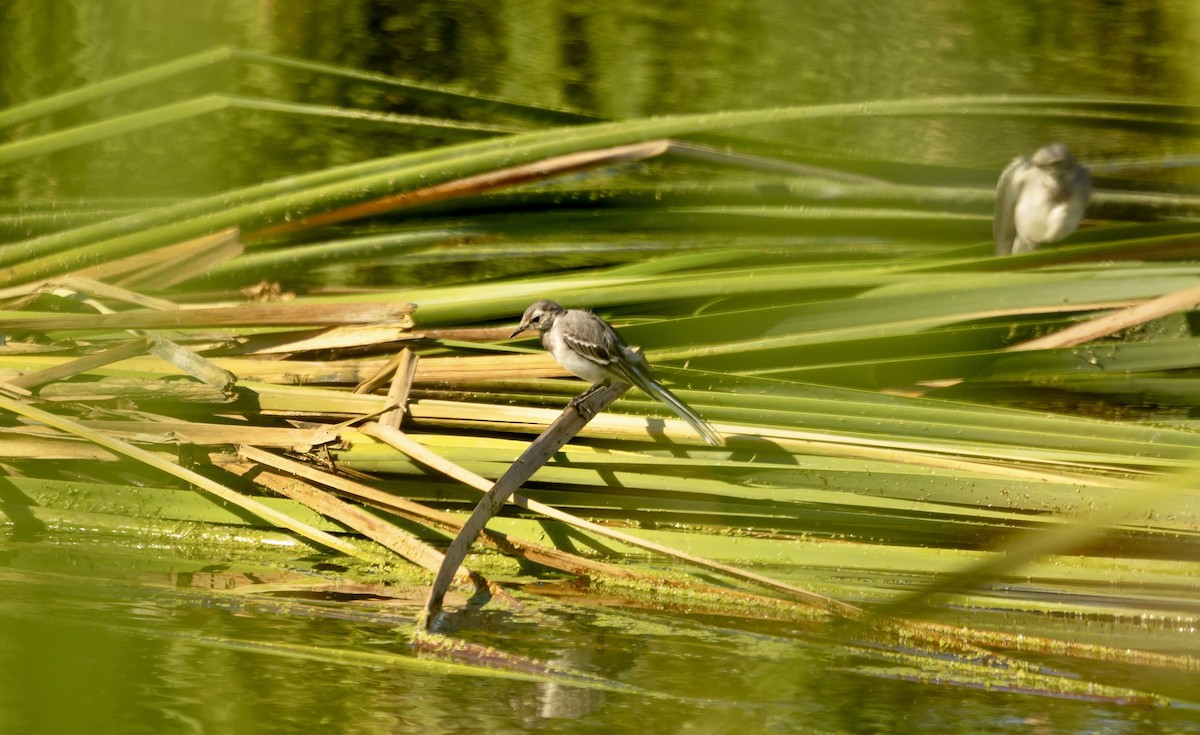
point(591, 349)
point(1039, 200)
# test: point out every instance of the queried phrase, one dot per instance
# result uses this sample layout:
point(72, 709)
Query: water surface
point(101, 636)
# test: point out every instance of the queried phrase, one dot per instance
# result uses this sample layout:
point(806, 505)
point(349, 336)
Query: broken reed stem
point(1106, 324)
point(83, 284)
point(189, 362)
point(371, 383)
point(560, 432)
point(122, 351)
point(397, 397)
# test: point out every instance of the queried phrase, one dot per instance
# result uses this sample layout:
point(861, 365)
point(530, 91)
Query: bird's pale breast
point(1041, 217)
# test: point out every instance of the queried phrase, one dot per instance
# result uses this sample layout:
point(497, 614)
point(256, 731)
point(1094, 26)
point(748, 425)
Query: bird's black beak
point(520, 329)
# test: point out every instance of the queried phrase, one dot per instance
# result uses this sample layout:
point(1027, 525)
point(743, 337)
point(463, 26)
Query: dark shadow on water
point(16, 507)
point(471, 615)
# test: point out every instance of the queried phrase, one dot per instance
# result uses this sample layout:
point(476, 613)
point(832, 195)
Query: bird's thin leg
point(579, 402)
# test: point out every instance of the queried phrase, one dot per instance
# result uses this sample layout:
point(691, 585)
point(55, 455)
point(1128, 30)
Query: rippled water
point(102, 642)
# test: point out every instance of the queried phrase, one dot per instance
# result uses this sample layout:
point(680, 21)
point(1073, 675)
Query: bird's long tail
point(653, 388)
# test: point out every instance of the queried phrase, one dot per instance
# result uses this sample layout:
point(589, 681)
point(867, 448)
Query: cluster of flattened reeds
point(883, 384)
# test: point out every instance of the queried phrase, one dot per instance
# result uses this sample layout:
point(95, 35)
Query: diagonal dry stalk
point(1101, 326)
point(82, 284)
point(374, 528)
point(1107, 324)
point(477, 184)
point(116, 353)
point(172, 264)
point(544, 555)
point(549, 168)
point(573, 418)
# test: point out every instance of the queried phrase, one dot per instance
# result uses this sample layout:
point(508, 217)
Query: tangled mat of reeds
point(915, 429)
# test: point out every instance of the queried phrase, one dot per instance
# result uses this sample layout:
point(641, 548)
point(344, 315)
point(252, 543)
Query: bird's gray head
point(540, 315)
point(1054, 158)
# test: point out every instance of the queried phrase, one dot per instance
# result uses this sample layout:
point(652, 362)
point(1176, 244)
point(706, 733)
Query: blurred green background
point(616, 59)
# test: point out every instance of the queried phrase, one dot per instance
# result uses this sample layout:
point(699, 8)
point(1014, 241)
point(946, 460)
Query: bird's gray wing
point(1004, 221)
point(592, 337)
point(1083, 183)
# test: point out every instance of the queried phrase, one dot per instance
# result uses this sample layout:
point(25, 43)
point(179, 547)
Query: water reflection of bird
point(591, 349)
point(1039, 200)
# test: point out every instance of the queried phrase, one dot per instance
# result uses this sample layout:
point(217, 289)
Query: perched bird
point(591, 349)
point(1039, 199)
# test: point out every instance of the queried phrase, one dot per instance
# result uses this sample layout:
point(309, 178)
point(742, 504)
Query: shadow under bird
point(591, 349)
point(1039, 199)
